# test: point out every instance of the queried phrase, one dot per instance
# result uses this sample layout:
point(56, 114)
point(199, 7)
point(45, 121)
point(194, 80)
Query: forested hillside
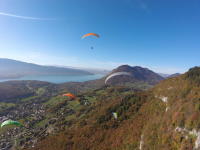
point(165, 117)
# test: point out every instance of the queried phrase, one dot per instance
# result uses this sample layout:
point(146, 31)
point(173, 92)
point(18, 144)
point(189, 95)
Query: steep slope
point(176, 124)
point(15, 69)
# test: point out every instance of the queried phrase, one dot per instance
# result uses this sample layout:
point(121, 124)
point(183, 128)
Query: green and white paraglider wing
point(11, 122)
point(117, 74)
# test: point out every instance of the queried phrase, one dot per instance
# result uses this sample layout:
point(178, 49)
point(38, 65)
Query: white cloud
point(24, 17)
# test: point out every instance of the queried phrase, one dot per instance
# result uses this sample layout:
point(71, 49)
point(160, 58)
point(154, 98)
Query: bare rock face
point(185, 132)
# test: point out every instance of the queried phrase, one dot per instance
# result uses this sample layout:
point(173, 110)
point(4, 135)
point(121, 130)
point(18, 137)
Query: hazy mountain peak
point(14, 69)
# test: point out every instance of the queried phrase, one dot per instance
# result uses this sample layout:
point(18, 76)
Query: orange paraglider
point(90, 34)
point(70, 95)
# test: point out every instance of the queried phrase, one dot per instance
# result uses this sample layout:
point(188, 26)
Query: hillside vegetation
point(165, 117)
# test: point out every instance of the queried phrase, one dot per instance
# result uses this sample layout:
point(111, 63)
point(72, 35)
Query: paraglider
point(90, 34)
point(70, 95)
point(117, 74)
point(11, 122)
point(115, 115)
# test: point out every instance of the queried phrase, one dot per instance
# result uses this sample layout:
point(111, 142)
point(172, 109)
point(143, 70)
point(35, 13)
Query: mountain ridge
point(15, 69)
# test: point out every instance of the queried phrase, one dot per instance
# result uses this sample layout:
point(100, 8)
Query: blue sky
point(162, 35)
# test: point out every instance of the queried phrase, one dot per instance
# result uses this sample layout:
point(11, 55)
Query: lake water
point(59, 79)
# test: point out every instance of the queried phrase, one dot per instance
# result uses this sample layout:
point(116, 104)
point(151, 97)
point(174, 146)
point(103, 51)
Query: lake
point(59, 78)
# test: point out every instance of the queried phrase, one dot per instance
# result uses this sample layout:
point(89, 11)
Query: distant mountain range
point(174, 75)
point(16, 69)
point(169, 75)
point(164, 75)
point(140, 79)
point(13, 69)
